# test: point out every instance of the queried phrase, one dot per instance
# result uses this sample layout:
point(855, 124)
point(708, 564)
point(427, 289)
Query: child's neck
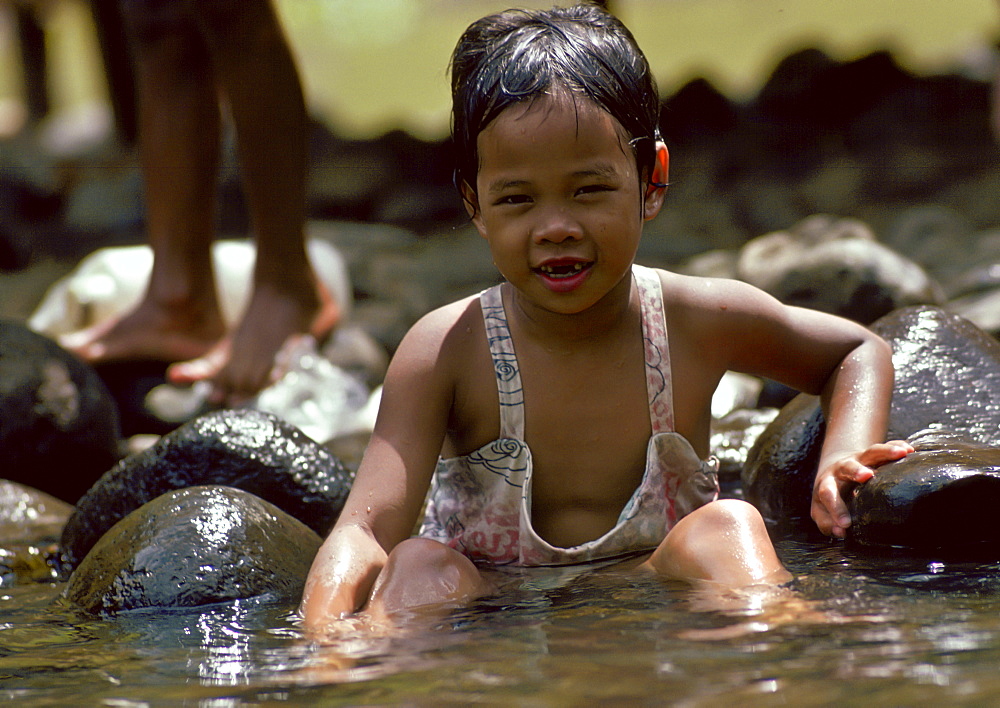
point(554, 328)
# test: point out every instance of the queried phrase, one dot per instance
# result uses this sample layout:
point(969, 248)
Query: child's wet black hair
point(519, 55)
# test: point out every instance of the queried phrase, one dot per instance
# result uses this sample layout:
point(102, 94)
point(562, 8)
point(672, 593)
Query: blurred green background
point(370, 66)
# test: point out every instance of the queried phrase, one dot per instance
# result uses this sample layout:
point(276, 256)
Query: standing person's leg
point(179, 127)
point(995, 103)
point(258, 77)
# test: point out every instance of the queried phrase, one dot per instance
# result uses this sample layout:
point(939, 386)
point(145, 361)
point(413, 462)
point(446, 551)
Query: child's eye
point(594, 189)
point(513, 199)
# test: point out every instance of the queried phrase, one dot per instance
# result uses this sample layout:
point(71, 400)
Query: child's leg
point(724, 542)
point(420, 572)
point(257, 74)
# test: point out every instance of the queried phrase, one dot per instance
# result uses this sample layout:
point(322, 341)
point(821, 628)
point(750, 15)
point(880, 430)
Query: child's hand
point(837, 479)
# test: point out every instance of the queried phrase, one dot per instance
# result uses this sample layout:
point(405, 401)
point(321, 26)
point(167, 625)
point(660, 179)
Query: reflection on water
point(892, 630)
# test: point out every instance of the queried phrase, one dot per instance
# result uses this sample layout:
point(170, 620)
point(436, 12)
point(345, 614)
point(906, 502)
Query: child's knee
point(724, 516)
point(725, 541)
point(420, 571)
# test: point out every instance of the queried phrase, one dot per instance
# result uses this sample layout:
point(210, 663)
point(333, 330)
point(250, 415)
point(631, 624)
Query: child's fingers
point(829, 511)
point(851, 471)
point(883, 453)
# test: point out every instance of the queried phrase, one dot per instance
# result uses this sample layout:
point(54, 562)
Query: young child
point(570, 406)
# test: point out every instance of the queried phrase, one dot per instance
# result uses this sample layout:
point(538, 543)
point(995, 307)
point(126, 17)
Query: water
point(879, 631)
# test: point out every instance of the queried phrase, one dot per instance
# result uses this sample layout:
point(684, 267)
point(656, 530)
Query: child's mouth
point(563, 276)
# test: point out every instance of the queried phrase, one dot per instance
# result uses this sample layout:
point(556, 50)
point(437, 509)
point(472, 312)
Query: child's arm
point(392, 479)
point(855, 400)
point(737, 327)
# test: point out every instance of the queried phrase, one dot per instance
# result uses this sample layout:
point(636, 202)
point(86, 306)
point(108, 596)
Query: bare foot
point(239, 366)
point(150, 332)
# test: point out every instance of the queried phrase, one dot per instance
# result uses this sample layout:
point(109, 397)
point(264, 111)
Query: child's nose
point(556, 225)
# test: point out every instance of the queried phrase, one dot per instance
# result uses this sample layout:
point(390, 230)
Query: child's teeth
point(574, 268)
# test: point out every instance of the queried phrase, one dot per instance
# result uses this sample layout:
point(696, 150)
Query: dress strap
point(504, 363)
point(659, 385)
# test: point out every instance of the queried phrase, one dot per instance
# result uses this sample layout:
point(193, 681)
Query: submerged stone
point(59, 427)
point(247, 449)
point(193, 547)
point(942, 497)
point(947, 378)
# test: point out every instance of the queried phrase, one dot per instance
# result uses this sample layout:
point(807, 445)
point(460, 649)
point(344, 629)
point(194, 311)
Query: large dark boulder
point(247, 449)
point(194, 547)
point(59, 431)
point(947, 378)
point(939, 499)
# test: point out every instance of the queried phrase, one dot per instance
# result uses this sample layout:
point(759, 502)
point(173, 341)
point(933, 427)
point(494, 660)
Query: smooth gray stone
point(193, 547)
point(835, 265)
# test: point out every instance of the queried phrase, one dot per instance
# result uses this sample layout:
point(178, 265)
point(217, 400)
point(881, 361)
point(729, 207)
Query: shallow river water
point(855, 630)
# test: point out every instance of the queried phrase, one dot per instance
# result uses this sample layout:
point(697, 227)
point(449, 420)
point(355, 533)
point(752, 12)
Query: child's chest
point(588, 428)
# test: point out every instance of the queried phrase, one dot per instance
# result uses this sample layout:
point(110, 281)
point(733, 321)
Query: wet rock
point(28, 515)
point(835, 265)
point(247, 449)
point(59, 427)
point(778, 474)
point(30, 524)
point(947, 377)
point(940, 499)
point(732, 438)
point(193, 547)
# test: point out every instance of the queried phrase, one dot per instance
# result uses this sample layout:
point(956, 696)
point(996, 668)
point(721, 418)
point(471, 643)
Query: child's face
point(560, 201)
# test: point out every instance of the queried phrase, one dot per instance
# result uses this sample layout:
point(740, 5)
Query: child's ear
point(471, 201)
point(656, 188)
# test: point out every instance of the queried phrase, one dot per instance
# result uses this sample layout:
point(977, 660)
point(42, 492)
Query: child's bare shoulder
point(443, 334)
point(702, 296)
